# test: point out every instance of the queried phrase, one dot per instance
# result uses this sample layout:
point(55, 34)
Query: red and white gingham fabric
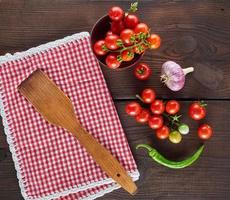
point(50, 162)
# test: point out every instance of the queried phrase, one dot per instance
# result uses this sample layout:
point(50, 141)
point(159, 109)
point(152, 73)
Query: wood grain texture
point(194, 33)
point(208, 178)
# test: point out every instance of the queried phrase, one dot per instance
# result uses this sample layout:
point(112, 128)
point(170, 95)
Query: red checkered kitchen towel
point(50, 162)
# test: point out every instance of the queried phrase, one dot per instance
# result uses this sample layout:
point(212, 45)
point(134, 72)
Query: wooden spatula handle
point(104, 159)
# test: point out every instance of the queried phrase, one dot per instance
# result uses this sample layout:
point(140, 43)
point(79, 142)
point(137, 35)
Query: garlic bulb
point(173, 75)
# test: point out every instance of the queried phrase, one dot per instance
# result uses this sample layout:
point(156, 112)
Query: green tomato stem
point(203, 104)
point(138, 96)
point(170, 118)
point(129, 47)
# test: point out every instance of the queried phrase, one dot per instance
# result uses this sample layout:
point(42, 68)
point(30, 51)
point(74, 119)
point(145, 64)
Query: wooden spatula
point(57, 109)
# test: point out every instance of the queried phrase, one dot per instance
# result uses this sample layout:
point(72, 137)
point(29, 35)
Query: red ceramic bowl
point(98, 32)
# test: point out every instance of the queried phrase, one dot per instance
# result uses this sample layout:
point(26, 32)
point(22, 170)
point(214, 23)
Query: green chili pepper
point(155, 155)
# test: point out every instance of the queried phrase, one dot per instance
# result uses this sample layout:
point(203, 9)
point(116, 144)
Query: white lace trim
point(6, 123)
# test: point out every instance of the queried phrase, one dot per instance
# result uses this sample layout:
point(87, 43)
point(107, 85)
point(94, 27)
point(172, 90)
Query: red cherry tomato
point(154, 41)
point(116, 13)
point(142, 71)
point(172, 107)
point(117, 27)
point(143, 116)
point(205, 131)
point(98, 48)
point(148, 95)
point(140, 50)
point(155, 121)
point(133, 108)
point(131, 21)
point(163, 132)
point(111, 42)
point(109, 33)
point(157, 107)
point(197, 111)
point(112, 61)
point(141, 28)
point(127, 55)
point(126, 36)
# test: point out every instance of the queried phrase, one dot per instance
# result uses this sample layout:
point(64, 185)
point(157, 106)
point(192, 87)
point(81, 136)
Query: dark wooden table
point(194, 33)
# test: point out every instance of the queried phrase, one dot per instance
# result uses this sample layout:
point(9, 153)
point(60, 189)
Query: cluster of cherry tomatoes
point(161, 112)
point(197, 111)
point(127, 37)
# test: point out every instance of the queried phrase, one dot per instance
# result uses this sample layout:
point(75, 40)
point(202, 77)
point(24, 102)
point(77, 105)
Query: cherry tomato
point(205, 131)
point(172, 107)
point(140, 49)
point(154, 41)
point(155, 121)
point(109, 33)
point(197, 111)
point(141, 28)
point(163, 132)
point(131, 21)
point(148, 95)
point(98, 48)
point(112, 61)
point(175, 137)
point(127, 55)
point(133, 108)
point(126, 36)
point(183, 129)
point(117, 27)
point(142, 71)
point(143, 116)
point(116, 13)
point(111, 42)
point(157, 107)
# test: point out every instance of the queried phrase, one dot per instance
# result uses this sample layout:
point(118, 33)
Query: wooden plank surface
point(206, 179)
point(194, 33)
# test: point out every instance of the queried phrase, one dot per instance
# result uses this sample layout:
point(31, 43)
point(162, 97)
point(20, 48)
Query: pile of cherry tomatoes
point(162, 116)
point(127, 37)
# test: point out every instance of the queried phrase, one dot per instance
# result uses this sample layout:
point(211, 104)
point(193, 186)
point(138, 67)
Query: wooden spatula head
point(49, 100)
